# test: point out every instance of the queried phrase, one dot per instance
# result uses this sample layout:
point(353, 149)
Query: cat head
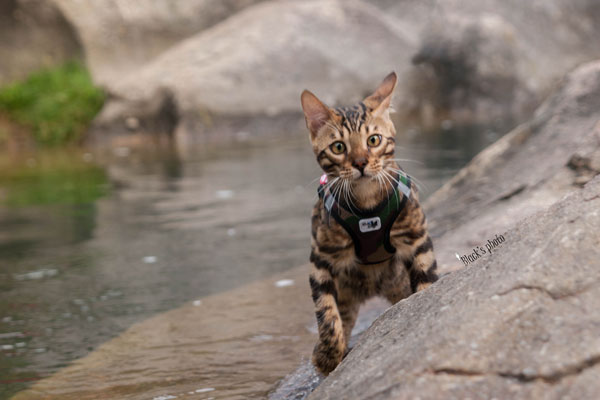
point(356, 142)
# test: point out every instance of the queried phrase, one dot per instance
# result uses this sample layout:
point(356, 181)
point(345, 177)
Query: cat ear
point(379, 101)
point(316, 113)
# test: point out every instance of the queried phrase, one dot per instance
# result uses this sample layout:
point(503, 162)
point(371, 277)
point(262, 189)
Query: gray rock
point(34, 34)
point(527, 170)
point(520, 324)
point(301, 382)
point(120, 36)
point(234, 65)
point(475, 62)
point(482, 60)
point(258, 61)
point(504, 326)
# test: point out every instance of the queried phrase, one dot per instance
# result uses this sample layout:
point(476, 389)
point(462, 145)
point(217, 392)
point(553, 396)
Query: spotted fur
point(361, 177)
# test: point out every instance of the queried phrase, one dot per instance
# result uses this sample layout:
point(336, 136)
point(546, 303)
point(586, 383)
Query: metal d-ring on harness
point(369, 230)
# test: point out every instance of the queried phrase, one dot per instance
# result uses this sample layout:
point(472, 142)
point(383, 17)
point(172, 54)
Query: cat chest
point(370, 231)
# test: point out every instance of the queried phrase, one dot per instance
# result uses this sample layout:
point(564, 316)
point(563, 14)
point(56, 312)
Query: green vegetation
point(13, 382)
point(55, 177)
point(56, 104)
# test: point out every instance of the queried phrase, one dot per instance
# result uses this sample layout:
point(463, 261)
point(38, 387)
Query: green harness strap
point(370, 230)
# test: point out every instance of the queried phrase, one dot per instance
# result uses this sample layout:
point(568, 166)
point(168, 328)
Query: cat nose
point(360, 163)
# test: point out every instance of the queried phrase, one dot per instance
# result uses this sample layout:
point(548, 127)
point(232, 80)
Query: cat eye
point(338, 147)
point(374, 140)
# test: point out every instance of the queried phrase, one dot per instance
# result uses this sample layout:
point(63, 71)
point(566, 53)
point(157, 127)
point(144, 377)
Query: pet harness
point(369, 229)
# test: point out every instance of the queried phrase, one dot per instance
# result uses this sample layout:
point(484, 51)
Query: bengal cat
point(369, 234)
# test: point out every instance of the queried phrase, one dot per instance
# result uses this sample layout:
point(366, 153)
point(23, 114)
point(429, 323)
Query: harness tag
point(369, 224)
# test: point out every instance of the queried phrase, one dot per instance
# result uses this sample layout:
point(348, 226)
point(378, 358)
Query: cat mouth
point(360, 175)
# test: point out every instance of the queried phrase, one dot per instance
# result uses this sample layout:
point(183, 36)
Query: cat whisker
point(334, 191)
point(342, 191)
point(328, 186)
point(338, 190)
point(394, 184)
point(420, 185)
point(404, 160)
point(376, 178)
point(316, 179)
point(345, 193)
point(334, 188)
point(390, 176)
point(387, 177)
point(352, 195)
point(380, 182)
point(331, 184)
point(311, 182)
point(386, 181)
point(348, 196)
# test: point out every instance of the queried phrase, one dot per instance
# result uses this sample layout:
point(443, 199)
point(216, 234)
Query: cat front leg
point(348, 306)
point(331, 347)
point(414, 248)
point(422, 267)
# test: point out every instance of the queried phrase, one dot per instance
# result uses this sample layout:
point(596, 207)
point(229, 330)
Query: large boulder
point(205, 69)
point(120, 36)
point(527, 170)
point(471, 62)
point(34, 35)
point(480, 61)
point(522, 323)
point(257, 62)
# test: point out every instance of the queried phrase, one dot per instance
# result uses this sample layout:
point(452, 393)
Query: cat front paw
point(326, 358)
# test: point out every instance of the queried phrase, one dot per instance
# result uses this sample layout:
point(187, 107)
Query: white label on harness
point(369, 224)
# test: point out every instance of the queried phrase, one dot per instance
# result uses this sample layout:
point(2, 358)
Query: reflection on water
point(50, 178)
point(86, 252)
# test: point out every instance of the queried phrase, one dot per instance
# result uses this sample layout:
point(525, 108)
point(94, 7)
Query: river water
point(147, 275)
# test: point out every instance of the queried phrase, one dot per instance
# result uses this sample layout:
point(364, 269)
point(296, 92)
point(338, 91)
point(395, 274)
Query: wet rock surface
point(504, 326)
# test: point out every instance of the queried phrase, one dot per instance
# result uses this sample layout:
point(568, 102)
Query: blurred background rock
point(206, 70)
